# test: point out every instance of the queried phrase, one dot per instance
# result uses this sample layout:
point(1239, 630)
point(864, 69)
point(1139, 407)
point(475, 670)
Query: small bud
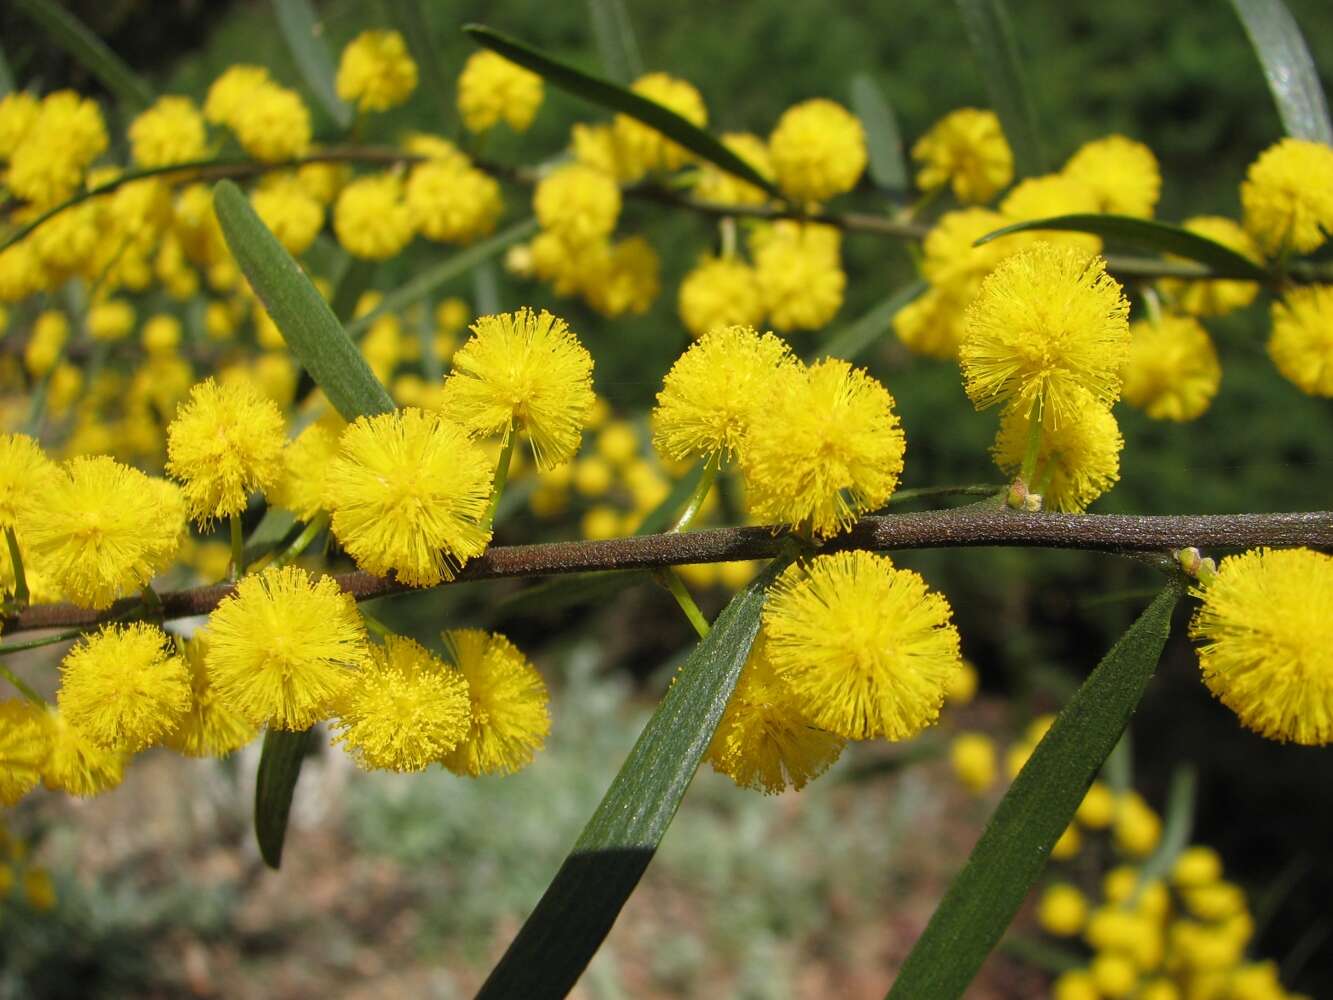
point(1190, 560)
point(1032, 503)
point(1017, 495)
point(1207, 570)
point(518, 260)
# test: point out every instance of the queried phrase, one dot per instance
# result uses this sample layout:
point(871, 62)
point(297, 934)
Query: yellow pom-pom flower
point(26, 474)
point(508, 698)
point(963, 683)
point(1097, 810)
point(25, 745)
point(305, 463)
point(283, 648)
point(1172, 372)
point(231, 91)
point(453, 204)
point(225, 443)
point(799, 269)
point(1301, 344)
point(1077, 461)
point(1122, 174)
point(1266, 642)
point(1062, 910)
point(1196, 866)
point(111, 319)
point(1214, 298)
point(627, 282)
point(211, 728)
point(764, 740)
point(526, 371)
point(836, 453)
point(1050, 195)
point(405, 710)
point(67, 135)
point(408, 493)
point(271, 123)
point(492, 89)
point(717, 186)
point(1287, 196)
point(171, 131)
point(18, 113)
point(865, 648)
point(818, 150)
point(371, 217)
point(644, 146)
point(1076, 984)
point(376, 72)
point(972, 757)
point(577, 203)
point(124, 688)
point(77, 766)
point(49, 332)
point(1137, 827)
point(967, 150)
point(1114, 975)
point(720, 291)
point(289, 210)
point(1048, 327)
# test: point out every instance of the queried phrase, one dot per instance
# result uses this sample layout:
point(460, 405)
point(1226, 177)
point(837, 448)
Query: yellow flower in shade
point(21, 272)
point(171, 131)
point(1137, 828)
point(305, 463)
point(715, 392)
point(1076, 984)
point(628, 280)
point(225, 443)
point(1114, 975)
point(717, 186)
point(1266, 642)
point(1047, 196)
point(1122, 174)
point(231, 91)
point(931, 325)
point(865, 648)
point(211, 728)
point(818, 150)
point(1172, 372)
point(1097, 810)
point(283, 648)
point(509, 713)
point(49, 332)
point(1196, 866)
point(720, 291)
point(452, 203)
point(103, 529)
point(408, 492)
point(18, 112)
point(577, 203)
point(967, 150)
point(26, 474)
point(1077, 461)
point(524, 370)
point(1069, 843)
point(1301, 344)
point(597, 146)
point(963, 683)
point(289, 210)
point(78, 766)
point(375, 71)
point(492, 89)
point(764, 740)
point(800, 273)
point(836, 453)
point(951, 261)
point(1048, 327)
point(124, 688)
point(1287, 196)
point(271, 123)
point(972, 757)
point(1062, 910)
point(643, 145)
point(371, 218)
point(405, 710)
point(1214, 298)
point(25, 745)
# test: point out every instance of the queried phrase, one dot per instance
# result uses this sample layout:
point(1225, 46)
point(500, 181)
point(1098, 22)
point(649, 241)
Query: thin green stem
point(701, 490)
point(673, 583)
point(237, 547)
point(375, 625)
point(727, 230)
point(47, 640)
point(501, 475)
point(967, 490)
point(1029, 468)
point(21, 684)
point(1153, 303)
point(312, 530)
point(16, 560)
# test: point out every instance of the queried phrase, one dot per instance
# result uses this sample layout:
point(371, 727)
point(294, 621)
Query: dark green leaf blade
point(615, 98)
point(578, 908)
point(1288, 68)
point(991, 33)
point(6, 77)
point(410, 21)
point(300, 312)
point(884, 140)
point(1150, 235)
point(1012, 851)
point(303, 32)
point(857, 337)
point(275, 782)
point(616, 44)
point(89, 51)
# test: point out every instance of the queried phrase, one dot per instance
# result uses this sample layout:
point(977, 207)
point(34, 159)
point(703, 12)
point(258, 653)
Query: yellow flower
point(26, 474)
point(171, 131)
point(1287, 196)
point(231, 91)
point(211, 728)
point(818, 150)
point(720, 291)
point(111, 319)
point(800, 274)
point(1121, 173)
point(963, 683)
point(1214, 298)
point(371, 218)
point(643, 145)
point(67, 135)
point(452, 203)
point(283, 648)
point(524, 370)
point(18, 112)
point(1301, 344)
point(836, 453)
point(1076, 984)
point(25, 745)
point(21, 272)
point(492, 89)
point(764, 740)
point(305, 464)
point(271, 123)
point(124, 688)
point(577, 203)
point(865, 648)
point(161, 334)
point(1047, 196)
point(1048, 326)
point(49, 332)
point(376, 72)
point(714, 393)
point(1097, 810)
point(597, 146)
point(1077, 461)
point(294, 215)
point(1137, 828)
point(1172, 372)
point(225, 443)
point(717, 186)
point(967, 150)
point(931, 325)
point(628, 280)
point(1062, 910)
point(1114, 975)
point(1196, 866)
point(77, 766)
point(510, 720)
point(405, 710)
point(408, 492)
point(972, 757)
point(1266, 642)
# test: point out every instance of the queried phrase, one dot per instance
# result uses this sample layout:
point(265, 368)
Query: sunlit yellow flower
point(643, 145)
point(1215, 297)
point(1077, 461)
point(294, 215)
point(719, 187)
point(26, 474)
point(1172, 372)
point(305, 463)
point(77, 766)
point(18, 112)
point(231, 91)
point(799, 269)
point(577, 203)
point(1062, 910)
point(372, 219)
point(720, 291)
point(25, 745)
point(818, 150)
point(1287, 196)
point(375, 71)
point(967, 150)
point(628, 280)
point(211, 728)
point(492, 89)
point(1121, 173)
point(453, 204)
point(271, 123)
point(972, 757)
point(1301, 344)
point(171, 131)
point(509, 713)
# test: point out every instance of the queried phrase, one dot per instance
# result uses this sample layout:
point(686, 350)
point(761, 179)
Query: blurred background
point(414, 885)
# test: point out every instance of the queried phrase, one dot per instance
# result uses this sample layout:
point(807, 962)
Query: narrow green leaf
point(1150, 235)
point(1034, 812)
point(303, 32)
point(857, 337)
point(1177, 825)
point(665, 512)
point(884, 140)
point(616, 44)
point(1288, 67)
point(991, 33)
point(300, 312)
point(614, 98)
point(485, 288)
point(561, 592)
point(272, 529)
point(89, 51)
point(445, 271)
point(6, 75)
point(410, 21)
point(275, 782)
point(578, 908)
point(352, 284)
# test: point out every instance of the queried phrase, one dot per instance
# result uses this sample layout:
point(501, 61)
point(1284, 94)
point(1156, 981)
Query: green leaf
point(1288, 67)
point(408, 18)
point(272, 529)
point(616, 44)
point(578, 908)
point(300, 312)
point(884, 141)
point(89, 51)
point(445, 271)
point(615, 98)
point(661, 516)
point(991, 33)
point(1034, 812)
point(857, 337)
point(275, 782)
point(6, 76)
point(355, 278)
point(303, 32)
point(1150, 235)
point(1177, 825)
